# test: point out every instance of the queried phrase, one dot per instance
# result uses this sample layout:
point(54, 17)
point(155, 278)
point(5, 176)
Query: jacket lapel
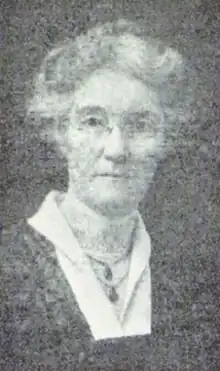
point(54, 299)
point(56, 230)
point(139, 261)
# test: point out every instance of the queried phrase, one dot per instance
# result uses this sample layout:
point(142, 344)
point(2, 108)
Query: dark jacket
point(42, 327)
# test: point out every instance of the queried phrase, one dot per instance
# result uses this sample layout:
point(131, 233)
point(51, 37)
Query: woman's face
point(114, 140)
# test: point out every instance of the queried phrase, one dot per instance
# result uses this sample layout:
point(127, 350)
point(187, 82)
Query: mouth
point(112, 175)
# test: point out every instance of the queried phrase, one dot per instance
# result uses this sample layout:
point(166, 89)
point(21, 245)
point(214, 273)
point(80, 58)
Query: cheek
point(83, 140)
point(146, 155)
point(81, 151)
point(145, 150)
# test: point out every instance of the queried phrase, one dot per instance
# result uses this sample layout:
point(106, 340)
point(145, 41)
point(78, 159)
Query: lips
point(112, 175)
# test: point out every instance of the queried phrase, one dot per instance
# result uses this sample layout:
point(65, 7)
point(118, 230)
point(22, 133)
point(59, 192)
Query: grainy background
point(181, 209)
point(185, 194)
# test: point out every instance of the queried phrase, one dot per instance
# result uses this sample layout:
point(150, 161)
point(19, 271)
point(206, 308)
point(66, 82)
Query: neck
point(95, 231)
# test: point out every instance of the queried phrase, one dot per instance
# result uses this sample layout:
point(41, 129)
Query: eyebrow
point(98, 109)
point(142, 114)
point(90, 110)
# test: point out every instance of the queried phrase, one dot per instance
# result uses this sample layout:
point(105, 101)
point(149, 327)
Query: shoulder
point(18, 246)
point(21, 265)
point(21, 241)
point(20, 258)
point(16, 259)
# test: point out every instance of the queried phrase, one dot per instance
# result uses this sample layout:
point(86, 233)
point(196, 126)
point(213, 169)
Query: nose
point(114, 148)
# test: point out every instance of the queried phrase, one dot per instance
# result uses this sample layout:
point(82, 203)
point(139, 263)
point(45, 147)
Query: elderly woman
point(76, 289)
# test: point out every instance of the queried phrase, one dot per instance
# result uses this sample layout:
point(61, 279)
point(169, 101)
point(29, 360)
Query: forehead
point(115, 92)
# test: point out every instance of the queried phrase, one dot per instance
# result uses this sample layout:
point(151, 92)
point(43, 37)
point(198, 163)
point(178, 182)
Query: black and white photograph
point(110, 164)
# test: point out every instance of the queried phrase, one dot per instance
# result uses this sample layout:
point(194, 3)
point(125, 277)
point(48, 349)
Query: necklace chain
point(106, 277)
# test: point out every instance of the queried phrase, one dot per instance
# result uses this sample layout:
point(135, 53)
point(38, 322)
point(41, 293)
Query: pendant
point(108, 273)
point(113, 296)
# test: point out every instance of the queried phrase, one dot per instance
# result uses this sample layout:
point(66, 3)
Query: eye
point(93, 121)
point(146, 125)
point(140, 125)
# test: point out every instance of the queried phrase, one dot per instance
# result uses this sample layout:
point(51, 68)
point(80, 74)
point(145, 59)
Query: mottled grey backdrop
point(185, 196)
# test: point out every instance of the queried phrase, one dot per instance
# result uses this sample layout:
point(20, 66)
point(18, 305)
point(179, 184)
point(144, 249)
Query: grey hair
point(121, 45)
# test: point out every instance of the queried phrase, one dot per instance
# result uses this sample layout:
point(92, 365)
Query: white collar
point(50, 222)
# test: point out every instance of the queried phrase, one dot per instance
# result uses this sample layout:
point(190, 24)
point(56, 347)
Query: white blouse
point(104, 321)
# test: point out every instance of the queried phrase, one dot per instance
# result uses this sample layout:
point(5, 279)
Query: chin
point(113, 206)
